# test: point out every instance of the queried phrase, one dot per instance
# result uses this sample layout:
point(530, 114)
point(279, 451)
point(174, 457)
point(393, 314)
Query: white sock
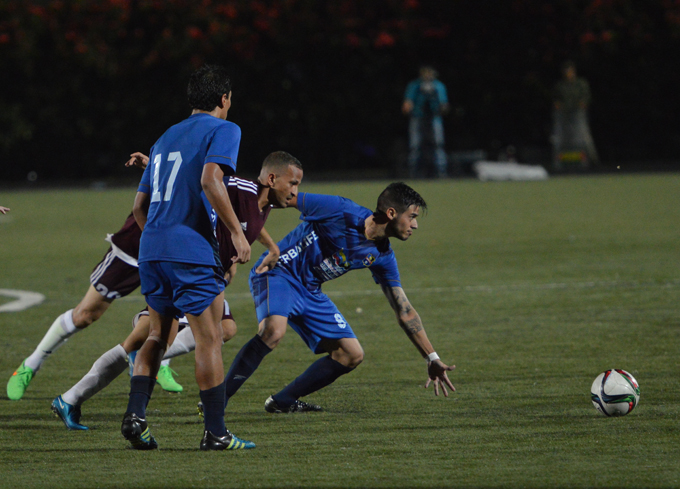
point(165, 362)
point(62, 328)
point(106, 368)
point(184, 343)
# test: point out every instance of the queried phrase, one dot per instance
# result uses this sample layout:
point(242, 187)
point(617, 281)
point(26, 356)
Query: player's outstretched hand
point(436, 373)
point(138, 159)
point(4, 210)
point(242, 248)
point(268, 263)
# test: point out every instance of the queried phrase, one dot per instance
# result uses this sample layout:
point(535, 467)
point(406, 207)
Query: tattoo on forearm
point(403, 305)
point(412, 326)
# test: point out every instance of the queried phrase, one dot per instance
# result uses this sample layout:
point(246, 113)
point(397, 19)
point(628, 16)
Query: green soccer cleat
point(167, 381)
point(18, 382)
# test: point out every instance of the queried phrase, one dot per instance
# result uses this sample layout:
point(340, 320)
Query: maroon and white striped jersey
point(243, 197)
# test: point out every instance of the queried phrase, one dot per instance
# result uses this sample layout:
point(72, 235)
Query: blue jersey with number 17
point(178, 228)
point(330, 242)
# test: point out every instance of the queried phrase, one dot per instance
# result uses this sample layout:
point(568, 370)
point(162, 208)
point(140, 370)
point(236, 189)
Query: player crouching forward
point(277, 184)
point(337, 236)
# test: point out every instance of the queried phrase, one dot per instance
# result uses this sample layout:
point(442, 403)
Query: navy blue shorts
point(173, 288)
point(311, 314)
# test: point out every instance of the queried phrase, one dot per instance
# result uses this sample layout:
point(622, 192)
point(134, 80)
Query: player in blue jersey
point(336, 236)
point(179, 266)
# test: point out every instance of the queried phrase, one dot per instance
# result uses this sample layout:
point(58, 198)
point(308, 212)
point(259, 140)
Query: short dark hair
point(206, 87)
point(399, 196)
point(430, 68)
point(281, 160)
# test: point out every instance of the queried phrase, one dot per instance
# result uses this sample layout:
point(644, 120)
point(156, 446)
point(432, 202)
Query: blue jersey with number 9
point(178, 227)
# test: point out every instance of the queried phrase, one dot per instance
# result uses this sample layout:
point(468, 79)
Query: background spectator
point(571, 132)
point(425, 101)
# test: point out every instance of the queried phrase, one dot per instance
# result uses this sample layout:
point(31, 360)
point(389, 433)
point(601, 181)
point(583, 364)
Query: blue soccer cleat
point(68, 413)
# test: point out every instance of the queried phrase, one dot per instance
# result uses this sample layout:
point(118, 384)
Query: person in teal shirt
point(425, 101)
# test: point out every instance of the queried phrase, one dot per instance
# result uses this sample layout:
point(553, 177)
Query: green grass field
point(530, 288)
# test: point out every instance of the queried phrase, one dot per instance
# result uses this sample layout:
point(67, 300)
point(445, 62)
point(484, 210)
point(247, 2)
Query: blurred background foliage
point(86, 82)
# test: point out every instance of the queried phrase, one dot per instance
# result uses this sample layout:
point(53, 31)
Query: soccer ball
point(615, 392)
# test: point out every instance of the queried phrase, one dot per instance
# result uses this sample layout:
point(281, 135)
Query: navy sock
point(243, 366)
point(213, 409)
point(141, 388)
point(318, 375)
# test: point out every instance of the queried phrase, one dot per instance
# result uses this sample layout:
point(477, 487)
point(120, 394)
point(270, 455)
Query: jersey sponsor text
point(294, 252)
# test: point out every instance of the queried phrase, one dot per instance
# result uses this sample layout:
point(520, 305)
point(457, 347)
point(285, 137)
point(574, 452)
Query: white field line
point(24, 300)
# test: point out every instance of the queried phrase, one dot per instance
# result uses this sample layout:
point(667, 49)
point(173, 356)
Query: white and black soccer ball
point(615, 392)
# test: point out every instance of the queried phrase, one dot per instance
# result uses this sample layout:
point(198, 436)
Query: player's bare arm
point(410, 322)
point(213, 186)
point(140, 209)
point(272, 257)
point(4, 210)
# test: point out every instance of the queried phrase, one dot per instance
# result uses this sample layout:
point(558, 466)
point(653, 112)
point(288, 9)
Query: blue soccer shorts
point(312, 315)
point(173, 288)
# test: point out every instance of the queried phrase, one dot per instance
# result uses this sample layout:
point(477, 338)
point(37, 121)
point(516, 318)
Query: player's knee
point(272, 334)
point(211, 337)
point(228, 330)
point(82, 318)
point(354, 359)
point(349, 357)
point(132, 344)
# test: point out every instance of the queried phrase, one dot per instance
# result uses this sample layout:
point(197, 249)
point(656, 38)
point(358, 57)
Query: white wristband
point(432, 357)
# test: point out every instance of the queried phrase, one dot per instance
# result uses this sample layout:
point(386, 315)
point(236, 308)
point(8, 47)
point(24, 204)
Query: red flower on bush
point(383, 40)
point(195, 33)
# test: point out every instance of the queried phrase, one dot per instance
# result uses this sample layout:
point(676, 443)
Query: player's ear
point(226, 100)
point(391, 213)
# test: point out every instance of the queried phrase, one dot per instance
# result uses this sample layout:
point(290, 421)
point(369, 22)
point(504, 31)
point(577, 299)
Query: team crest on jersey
point(340, 259)
point(368, 261)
